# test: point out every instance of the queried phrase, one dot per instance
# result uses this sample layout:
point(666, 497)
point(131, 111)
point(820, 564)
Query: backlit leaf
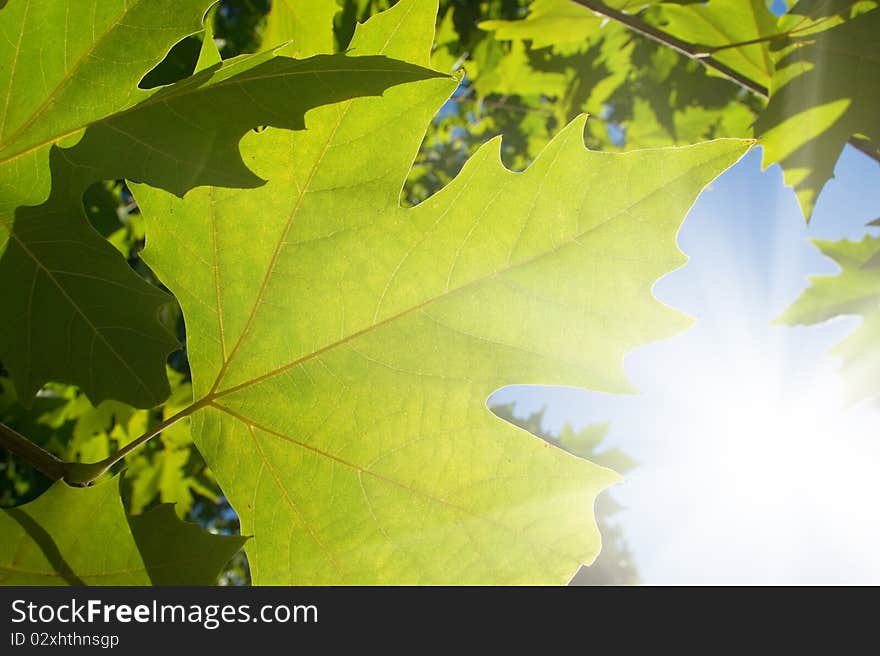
point(82, 536)
point(100, 325)
point(826, 89)
point(724, 24)
point(854, 291)
point(343, 347)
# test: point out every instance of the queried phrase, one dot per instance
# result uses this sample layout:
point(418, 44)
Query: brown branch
point(689, 50)
point(864, 146)
point(40, 459)
point(703, 55)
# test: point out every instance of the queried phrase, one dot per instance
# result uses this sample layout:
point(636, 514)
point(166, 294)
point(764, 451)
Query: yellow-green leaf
point(724, 24)
point(551, 22)
point(548, 22)
point(343, 347)
point(854, 291)
point(826, 88)
point(306, 24)
point(70, 120)
point(82, 536)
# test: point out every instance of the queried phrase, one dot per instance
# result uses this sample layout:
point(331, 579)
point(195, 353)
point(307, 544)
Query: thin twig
point(703, 55)
point(865, 146)
point(711, 50)
point(689, 50)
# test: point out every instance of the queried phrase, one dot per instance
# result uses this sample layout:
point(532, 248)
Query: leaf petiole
point(81, 474)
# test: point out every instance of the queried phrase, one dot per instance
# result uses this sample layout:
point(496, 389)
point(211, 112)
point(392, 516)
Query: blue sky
point(753, 469)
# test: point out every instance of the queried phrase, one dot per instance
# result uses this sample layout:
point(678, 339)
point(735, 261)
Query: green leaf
point(854, 291)
point(514, 76)
point(82, 536)
point(208, 54)
point(689, 124)
point(723, 23)
point(62, 279)
point(53, 264)
point(552, 22)
point(584, 442)
point(308, 24)
point(343, 347)
point(826, 89)
point(548, 22)
point(71, 43)
point(180, 553)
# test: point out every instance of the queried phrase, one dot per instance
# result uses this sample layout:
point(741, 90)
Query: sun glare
point(753, 468)
point(780, 471)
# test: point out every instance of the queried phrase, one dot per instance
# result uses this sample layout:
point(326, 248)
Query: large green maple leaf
point(71, 536)
point(854, 291)
point(343, 347)
point(68, 75)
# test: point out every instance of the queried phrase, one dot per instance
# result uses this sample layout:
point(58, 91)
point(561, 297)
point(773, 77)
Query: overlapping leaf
point(647, 94)
point(826, 88)
point(70, 44)
point(548, 22)
point(854, 291)
point(71, 536)
point(54, 266)
point(69, 63)
point(737, 33)
point(342, 347)
point(306, 24)
point(552, 22)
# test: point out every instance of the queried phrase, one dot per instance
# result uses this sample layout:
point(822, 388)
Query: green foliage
point(342, 336)
point(308, 27)
point(819, 62)
point(407, 323)
point(83, 537)
point(172, 137)
point(614, 565)
point(638, 93)
point(548, 22)
point(825, 89)
point(720, 24)
point(63, 421)
point(855, 290)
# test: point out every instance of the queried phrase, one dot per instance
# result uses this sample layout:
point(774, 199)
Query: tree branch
point(689, 50)
point(703, 55)
point(866, 147)
point(40, 459)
